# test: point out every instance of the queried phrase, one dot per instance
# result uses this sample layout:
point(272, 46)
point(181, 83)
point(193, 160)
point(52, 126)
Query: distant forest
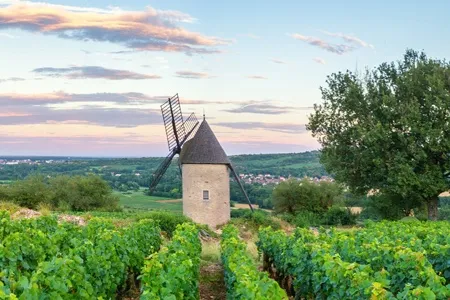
point(125, 174)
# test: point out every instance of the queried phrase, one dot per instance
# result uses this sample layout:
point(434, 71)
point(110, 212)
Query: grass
point(9, 206)
point(210, 252)
point(141, 201)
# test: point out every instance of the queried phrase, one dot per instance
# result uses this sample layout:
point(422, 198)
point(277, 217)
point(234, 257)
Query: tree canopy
point(294, 196)
point(388, 130)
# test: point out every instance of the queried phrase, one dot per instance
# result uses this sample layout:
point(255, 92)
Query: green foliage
point(295, 164)
point(382, 261)
point(292, 196)
point(444, 201)
point(254, 219)
point(302, 219)
point(167, 221)
point(40, 259)
point(368, 143)
point(77, 193)
point(9, 206)
point(82, 193)
point(242, 278)
point(137, 172)
point(173, 273)
point(28, 193)
point(444, 213)
point(339, 216)
point(259, 194)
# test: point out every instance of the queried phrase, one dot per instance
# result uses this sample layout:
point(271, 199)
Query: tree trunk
point(432, 205)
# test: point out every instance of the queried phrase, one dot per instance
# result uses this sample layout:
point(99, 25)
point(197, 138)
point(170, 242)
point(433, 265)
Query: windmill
point(177, 131)
point(205, 162)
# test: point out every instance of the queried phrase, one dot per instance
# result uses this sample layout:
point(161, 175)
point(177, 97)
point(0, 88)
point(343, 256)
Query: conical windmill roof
point(203, 148)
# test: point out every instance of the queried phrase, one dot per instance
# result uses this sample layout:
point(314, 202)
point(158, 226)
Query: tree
point(293, 196)
point(388, 131)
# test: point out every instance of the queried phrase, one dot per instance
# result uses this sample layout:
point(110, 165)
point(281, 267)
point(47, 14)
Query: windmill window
point(205, 195)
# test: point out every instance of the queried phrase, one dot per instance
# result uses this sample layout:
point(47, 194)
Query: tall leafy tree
point(390, 129)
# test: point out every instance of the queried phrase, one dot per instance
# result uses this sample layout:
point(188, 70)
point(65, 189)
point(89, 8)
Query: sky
point(87, 78)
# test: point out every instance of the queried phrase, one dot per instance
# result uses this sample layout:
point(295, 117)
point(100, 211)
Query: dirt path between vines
point(212, 284)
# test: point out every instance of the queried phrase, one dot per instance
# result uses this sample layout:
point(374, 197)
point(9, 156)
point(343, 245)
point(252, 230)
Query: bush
point(339, 216)
point(29, 192)
point(444, 213)
point(306, 219)
point(166, 221)
point(9, 206)
point(390, 207)
point(292, 196)
point(254, 219)
point(78, 193)
point(82, 193)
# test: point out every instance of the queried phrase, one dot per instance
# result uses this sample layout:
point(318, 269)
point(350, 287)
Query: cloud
point(264, 108)
point(93, 72)
point(104, 109)
point(334, 48)
point(121, 118)
point(192, 75)
point(277, 61)
point(351, 42)
point(114, 145)
point(319, 60)
point(148, 30)
point(257, 77)
point(250, 35)
point(350, 39)
point(7, 35)
point(14, 100)
point(12, 79)
point(277, 127)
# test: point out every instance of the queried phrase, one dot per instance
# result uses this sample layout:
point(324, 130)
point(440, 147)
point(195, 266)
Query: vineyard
point(41, 258)
point(387, 260)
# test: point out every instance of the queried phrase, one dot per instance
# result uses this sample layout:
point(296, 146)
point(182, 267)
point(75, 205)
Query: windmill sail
point(178, 132)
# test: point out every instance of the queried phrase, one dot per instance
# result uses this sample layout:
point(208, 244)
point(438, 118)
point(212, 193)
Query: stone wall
point(215, 179)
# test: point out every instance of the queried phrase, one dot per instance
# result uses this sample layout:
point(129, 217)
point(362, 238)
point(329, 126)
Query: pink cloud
point(149, 30)
point(319, 60)
point(334, 48)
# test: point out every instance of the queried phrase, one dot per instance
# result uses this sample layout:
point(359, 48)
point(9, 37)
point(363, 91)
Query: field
point(139, 200)
point(384, 260)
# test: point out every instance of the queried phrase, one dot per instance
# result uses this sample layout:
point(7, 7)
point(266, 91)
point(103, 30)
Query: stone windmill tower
point(204, 166)
point(206, 178)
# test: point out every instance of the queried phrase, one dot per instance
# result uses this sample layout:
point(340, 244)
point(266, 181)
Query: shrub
point(82, 193)
point(292, 196)
point(29, 192)
point(78, 193)
point(166, 221)
point(339, 216)
point(306, 218)
point(9, 206)
point(254, 219)
point(444, 213)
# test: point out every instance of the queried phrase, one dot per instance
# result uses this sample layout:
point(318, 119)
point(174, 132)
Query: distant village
point(266, 179)
point(4, 161)
point(263, 179)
